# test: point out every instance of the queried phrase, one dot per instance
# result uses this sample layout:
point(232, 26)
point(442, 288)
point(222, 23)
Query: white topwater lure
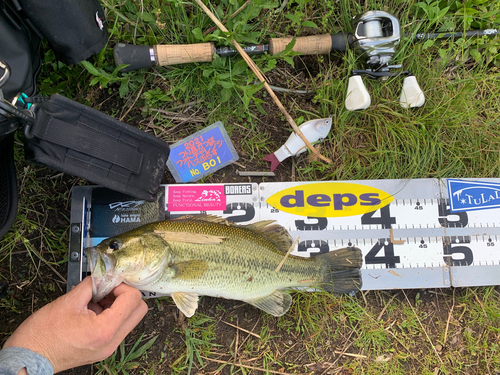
point(313, 130)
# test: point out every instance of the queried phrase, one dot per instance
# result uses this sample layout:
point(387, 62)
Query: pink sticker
point(196, 198)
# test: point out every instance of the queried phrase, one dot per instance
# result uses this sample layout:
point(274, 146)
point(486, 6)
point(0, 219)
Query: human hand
point(71, 331)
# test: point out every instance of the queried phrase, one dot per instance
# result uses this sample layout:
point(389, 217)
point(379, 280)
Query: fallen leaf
point(383, 358)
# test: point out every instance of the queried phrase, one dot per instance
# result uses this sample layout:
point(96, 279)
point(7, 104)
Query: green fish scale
point(241, 267)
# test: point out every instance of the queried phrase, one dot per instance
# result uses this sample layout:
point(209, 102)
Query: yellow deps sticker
point(330, 199)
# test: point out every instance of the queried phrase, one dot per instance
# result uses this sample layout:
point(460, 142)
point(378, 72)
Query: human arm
point(72, 332)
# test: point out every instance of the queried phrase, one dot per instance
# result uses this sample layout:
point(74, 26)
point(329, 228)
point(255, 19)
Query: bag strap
point(8, 184)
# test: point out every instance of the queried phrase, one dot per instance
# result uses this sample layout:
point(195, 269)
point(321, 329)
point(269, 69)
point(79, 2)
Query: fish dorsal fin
point(189, 237)
point(259, 225)
point(186, 302)
point(205, 217)
point(189, 270)
point(276, 233)
point(256, 227)
point(277, 303)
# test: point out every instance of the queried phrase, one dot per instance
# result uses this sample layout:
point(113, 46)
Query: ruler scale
point(421, 233)
point(430, 245)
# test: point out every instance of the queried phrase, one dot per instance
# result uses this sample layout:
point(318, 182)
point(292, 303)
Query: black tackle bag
point(60, 133)
point(19, 47)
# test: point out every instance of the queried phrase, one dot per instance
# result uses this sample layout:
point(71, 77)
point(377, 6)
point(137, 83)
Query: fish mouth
point(92, 255)
point(102, 271)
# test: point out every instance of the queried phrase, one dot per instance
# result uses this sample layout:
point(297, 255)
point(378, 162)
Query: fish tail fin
point(342, 270)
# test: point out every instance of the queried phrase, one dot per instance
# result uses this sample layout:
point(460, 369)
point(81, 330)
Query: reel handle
point(357, 97)
point(411, 95)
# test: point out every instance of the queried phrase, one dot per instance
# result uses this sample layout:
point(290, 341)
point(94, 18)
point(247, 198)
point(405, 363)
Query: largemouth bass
point(207, 255)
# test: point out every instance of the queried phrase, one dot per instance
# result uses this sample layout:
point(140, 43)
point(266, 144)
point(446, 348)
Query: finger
point(106, 305)
point(107, 302)
point(129, 324)
point(124, 288)
point(127, 300)
point(95, 307)
point(81, 294)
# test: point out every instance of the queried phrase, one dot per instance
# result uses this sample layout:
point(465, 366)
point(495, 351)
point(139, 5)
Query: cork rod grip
point(184, 53)
point(308, 45)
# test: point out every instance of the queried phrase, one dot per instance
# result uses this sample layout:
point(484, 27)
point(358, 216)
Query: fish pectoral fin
point(277, 303)
point(186, 302)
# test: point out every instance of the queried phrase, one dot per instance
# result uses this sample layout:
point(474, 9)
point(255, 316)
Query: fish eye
point(114, 245)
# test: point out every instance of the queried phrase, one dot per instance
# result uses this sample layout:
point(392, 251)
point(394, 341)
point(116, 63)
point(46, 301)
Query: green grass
point(455, 134)
point(123, 362)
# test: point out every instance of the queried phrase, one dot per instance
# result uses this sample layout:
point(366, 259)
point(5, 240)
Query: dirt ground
point(33, 283)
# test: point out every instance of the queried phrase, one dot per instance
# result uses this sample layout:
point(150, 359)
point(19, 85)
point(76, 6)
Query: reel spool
point(377, 34)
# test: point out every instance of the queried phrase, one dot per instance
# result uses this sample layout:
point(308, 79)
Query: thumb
point(81, 294)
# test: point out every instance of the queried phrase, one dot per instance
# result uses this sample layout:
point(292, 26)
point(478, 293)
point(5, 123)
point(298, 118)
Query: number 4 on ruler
point(386, 220)
point(389, 259)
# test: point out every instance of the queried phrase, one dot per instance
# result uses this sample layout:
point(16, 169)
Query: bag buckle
point(6, 74)
point(9, 111)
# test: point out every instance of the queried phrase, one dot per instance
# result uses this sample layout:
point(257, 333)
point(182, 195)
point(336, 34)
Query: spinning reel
point(377, 34)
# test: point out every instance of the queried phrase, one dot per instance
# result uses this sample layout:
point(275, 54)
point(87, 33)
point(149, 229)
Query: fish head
point(323, 127)
point(136, 260)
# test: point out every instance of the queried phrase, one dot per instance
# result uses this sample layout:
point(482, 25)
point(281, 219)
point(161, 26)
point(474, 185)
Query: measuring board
point(422, 233)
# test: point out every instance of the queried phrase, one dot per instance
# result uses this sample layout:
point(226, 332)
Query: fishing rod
point(456, 35)
point(144, 56)
point(376, 37)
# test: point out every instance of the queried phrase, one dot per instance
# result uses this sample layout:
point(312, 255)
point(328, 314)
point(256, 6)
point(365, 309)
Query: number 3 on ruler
point(386, 220)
